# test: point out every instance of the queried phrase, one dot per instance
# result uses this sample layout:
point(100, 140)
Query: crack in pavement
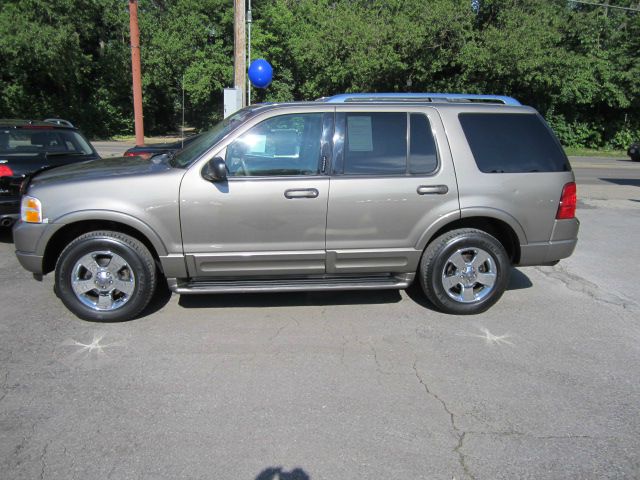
point(581, 285)
point(278, 332)
point(379, 368)
point(460, 434)
point(43, 460)
point(343, 348)
point(282, 328)
point(528, 435)
point(71, 457)
point(4, 388)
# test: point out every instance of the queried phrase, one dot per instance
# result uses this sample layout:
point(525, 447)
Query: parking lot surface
point(352, 385)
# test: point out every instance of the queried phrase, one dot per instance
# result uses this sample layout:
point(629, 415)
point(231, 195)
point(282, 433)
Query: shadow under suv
point(363, 191)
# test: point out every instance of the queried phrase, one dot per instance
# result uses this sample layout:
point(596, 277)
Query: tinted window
point(422, 147)
point(283, 145)
point(375, 143)
point(28, 142)
point(512, 143)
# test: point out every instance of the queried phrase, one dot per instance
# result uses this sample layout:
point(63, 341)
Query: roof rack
point(419, 98)
point(59, 121)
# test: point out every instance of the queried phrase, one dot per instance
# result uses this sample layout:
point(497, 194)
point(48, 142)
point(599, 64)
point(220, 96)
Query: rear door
point(392, 179)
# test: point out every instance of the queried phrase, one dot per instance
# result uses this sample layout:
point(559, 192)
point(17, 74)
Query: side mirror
point(215, 170)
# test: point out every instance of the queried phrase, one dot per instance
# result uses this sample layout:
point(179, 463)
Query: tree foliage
point(577, 64)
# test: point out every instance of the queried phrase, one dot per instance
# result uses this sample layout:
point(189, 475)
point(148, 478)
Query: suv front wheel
point(464, 271)
point(105, 276)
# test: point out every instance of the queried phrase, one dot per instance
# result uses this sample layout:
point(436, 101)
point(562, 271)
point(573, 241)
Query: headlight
point(31, 210)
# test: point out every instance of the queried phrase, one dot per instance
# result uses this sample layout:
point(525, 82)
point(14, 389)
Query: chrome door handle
point(301, 193)
point(432, 189)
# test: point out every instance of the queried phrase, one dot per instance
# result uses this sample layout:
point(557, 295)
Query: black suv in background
point(28, 146)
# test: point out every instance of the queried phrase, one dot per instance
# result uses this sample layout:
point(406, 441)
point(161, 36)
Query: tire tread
point(438, 297)
point(143, 255)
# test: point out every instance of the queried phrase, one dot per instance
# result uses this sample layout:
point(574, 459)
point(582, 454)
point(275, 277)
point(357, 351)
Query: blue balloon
point(260, 73)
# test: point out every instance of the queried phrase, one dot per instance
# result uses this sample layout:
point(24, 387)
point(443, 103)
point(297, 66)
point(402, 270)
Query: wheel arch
point(509, 233)
point(63, 236)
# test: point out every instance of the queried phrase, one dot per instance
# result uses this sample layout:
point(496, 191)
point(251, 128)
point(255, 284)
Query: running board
point(290, 285)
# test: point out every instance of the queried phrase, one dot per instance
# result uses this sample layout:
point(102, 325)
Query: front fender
point(107, 216)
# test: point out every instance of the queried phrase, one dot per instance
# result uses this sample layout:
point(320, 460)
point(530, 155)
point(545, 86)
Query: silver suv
point(351, 192)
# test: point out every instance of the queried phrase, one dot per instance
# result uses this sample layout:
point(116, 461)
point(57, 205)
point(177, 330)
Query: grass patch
point(594, 152)
point(147, 140)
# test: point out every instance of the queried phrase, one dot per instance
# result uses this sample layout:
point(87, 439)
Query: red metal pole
point(135, 70)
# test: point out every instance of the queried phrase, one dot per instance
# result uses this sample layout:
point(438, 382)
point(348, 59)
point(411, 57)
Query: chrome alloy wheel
point(103, 280)
point(469, 275)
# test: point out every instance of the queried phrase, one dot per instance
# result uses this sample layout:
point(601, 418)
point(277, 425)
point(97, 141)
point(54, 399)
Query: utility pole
point(249, 21)
point(239, 48)
point(135, 71)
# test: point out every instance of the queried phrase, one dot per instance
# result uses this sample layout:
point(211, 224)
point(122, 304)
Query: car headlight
point(31, 210)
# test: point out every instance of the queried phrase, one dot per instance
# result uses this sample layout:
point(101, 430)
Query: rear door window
point(513, 143)
point(375, 143)
point(423, 158)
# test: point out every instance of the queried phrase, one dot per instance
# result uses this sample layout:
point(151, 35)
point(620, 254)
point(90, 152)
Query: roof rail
point(419, 98)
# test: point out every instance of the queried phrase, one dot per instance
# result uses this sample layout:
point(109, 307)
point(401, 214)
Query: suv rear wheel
point(105, 276)
point(464, 271)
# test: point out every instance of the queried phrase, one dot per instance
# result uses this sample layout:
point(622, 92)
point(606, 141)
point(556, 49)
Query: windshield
point(206, 140)
point(27, 142)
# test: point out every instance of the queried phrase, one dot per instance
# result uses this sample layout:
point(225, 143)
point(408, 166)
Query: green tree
point(57, 59)
point(190, 40)
point(577, 64)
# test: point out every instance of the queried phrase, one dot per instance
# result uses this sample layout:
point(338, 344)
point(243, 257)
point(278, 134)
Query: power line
point(631, 9)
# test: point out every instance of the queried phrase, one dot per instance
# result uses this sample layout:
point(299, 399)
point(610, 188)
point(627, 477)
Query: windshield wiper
point(59, 154)
point(170, 157)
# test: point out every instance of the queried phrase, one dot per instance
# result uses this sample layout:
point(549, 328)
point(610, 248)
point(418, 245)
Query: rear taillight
point(568, 202)
point(142, 155)
point(5, 171)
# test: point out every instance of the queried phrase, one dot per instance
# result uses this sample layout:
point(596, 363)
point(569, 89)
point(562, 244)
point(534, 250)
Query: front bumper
point(30, 262)
point(30, 240)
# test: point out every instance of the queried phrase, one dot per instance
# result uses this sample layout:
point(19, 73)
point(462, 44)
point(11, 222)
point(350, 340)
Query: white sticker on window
point(360, 134)
point(255, 143)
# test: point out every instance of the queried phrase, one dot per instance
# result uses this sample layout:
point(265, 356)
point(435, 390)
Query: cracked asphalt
point(354, 385)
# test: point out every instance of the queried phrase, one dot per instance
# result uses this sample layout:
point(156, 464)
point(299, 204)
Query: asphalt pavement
point(352, 385)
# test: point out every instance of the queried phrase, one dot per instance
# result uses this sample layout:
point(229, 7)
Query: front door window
point(280, 146)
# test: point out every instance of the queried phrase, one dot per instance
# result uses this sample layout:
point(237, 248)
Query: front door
point(269, 217)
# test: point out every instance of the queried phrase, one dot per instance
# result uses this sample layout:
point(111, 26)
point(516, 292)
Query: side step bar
point(206, 286)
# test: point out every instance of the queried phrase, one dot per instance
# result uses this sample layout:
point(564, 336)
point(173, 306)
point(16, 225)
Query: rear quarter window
point(513, 143)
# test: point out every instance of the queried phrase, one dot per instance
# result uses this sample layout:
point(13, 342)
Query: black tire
point(97, 250)
point(472, 294)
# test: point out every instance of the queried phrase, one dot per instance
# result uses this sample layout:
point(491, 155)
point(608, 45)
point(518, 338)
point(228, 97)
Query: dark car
point(634, 152)
point(28, 146)
point(148, 151)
